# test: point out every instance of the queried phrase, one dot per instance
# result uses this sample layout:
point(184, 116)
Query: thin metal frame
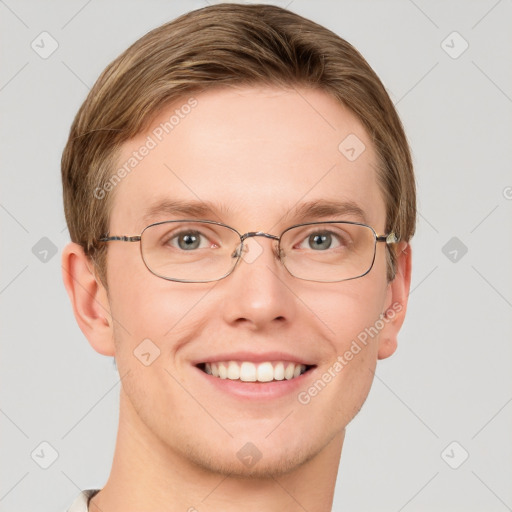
point(390, 238)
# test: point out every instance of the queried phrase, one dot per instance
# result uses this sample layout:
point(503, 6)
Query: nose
point(257, 293)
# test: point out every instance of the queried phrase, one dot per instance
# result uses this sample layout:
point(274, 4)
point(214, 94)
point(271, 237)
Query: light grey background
point(450, 379)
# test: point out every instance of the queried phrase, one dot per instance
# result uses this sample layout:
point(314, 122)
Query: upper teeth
point(250, 372)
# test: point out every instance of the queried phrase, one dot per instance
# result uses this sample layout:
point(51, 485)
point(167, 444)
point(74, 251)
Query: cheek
point(153, 309)
point(149, 322)
point(350, 316)
point(142, 305)
point(348, 309)
point(145, 307)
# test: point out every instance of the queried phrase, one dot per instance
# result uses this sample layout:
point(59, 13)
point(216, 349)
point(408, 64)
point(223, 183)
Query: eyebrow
point(312, 210)
point(185, 209)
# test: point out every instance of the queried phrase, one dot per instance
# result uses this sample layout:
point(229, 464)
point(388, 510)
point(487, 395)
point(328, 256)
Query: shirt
point(81, 503)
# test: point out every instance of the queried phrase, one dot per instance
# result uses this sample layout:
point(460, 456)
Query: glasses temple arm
point(119, 238)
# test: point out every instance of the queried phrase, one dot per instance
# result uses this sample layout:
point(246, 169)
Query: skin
point(258, 152)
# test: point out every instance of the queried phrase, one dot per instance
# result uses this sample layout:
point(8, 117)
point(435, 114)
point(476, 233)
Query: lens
point(192, 251)
point(329, 251)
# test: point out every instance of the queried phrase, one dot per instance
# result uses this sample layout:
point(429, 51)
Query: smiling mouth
point(246, 371)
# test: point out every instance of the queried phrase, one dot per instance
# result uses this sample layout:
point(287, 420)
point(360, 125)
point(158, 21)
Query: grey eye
point(189, 240)
point(320, 240)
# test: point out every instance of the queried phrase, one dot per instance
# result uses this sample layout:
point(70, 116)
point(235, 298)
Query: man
point(240, 197)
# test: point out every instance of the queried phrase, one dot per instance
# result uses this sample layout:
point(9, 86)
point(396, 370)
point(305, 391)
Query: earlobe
point(88, 298)
point(396, 302)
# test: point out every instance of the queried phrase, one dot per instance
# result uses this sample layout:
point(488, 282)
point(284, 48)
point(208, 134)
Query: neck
point(149, 474)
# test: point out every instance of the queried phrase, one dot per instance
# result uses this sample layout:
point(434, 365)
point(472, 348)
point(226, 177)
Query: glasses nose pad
point(236, 253)
point(249, 255)
point(252, 250)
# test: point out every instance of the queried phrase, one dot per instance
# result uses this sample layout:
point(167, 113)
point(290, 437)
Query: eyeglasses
point(201, 251)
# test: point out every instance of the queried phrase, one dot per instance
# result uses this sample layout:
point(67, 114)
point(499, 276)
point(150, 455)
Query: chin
point(245, 459)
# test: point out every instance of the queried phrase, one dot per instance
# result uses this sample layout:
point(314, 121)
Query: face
point(254, 155)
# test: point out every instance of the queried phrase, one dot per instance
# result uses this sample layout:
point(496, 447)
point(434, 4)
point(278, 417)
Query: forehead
point(255, 156)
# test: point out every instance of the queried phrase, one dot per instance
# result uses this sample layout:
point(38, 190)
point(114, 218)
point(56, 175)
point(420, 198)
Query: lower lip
point(259, 390)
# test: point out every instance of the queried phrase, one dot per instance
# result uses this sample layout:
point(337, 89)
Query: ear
point(89, 299)
point(396, 302)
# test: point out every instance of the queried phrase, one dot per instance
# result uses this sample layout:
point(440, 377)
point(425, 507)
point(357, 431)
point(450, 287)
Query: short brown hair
point(216, 46)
